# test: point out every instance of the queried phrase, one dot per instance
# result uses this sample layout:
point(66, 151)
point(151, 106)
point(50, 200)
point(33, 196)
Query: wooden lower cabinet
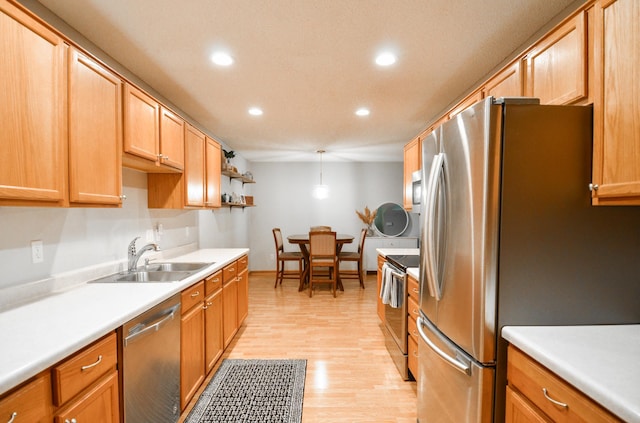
point(192, 371)
point(532, 390)
point(243, 290)
point(214, 342)
point(30, 402)
point(230, 310)
point(379, 305)
point(99, 404)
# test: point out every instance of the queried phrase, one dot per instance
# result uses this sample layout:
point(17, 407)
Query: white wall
point(283, 198)
point(74, 238)
point(79, 237)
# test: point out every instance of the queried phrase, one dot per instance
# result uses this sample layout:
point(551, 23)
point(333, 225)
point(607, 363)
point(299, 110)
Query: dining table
point(302, 240)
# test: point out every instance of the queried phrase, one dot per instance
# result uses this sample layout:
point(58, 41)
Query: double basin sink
point(156, 272)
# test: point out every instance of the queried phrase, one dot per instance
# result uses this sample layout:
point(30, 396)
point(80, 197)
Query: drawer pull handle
point(70, 421)
point(558, 403)
point(13, 417)
point(87, 367)
point(195, 294)
point(417, 291)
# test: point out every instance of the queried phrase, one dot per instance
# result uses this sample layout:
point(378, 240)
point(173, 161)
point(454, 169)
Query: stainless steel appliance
point(416, 191)
point(509, 237)
point(151, 365)
point(394, 272)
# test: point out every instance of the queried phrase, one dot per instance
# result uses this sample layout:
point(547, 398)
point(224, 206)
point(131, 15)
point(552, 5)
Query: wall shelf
point(238, 176)
point(236, 205)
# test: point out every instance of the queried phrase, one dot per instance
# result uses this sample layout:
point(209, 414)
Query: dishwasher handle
point(155, 325)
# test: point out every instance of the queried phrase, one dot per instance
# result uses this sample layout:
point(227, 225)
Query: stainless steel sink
point(155, 272)
point(173, 267)
point(153, 276)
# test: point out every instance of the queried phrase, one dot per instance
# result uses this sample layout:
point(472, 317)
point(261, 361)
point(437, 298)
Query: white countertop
point(601, 361)
point(397, 251)
point(38, 334)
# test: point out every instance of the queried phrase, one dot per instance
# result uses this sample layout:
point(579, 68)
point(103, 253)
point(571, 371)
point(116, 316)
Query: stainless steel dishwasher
point(151, 364)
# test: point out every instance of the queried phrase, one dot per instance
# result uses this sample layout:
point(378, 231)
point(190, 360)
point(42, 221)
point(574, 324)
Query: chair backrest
point(320, 229)
point(322, 244)
point(277, 236)
point(363, 235)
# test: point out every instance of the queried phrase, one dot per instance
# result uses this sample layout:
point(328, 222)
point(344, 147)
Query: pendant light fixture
point(321, 191)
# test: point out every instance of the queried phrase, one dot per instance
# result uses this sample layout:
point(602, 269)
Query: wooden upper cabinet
point(213, 173)
point(412, 156)
point(616, 160)
point(468, 101)
point(171, 139)
point(507, 83)
point(141, 124)
point(33, 111)
point(95, 133)
point(194, 173)
point(556, 67)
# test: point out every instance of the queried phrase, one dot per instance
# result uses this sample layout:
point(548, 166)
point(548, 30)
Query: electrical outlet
point(37, 251)
point(150, 237)
point(186, 231)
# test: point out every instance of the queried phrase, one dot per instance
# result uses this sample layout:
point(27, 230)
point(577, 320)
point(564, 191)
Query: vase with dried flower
point(367, 217)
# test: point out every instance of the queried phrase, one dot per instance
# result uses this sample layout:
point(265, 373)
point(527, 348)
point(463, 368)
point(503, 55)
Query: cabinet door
point(33, 112)
point(379, 304)
point(213, 173)
point(230, 310)
point(243, 296)
point(557, 65)
point(507, 83)
point(95, 133)
point(412, 158)
point(171, 139)
point(214, 343)
point(519, 410)
point(100, 404)
point(191, 353)
point(31, 403)
point(194, 148)
point(141, 124)
point(616, 156)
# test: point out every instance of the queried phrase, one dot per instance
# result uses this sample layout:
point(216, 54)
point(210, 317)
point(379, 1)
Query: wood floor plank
point(350, 376)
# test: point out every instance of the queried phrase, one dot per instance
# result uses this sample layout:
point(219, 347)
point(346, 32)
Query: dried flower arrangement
point(367, 216)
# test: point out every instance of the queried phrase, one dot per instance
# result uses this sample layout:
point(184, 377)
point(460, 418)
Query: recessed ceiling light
point(221, 59)
point(385, 59)
point(363, 111)
point(255, 111)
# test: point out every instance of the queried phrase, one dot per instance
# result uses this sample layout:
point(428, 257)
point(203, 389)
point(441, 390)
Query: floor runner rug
point(265, 391)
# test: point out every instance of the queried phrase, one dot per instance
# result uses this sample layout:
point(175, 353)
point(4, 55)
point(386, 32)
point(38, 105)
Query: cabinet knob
point(70, 421)
point(123, 197)
point(593, 187)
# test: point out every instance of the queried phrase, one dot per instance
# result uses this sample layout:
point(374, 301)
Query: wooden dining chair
point(286, 256)
point(322, 256)
point(353, 256)
point(320, 229)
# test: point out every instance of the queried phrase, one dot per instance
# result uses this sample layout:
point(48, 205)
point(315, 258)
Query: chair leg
point(278, 273)
point(361, 275)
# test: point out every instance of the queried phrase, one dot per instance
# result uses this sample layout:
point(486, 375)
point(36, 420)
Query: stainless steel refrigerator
point(509, 237)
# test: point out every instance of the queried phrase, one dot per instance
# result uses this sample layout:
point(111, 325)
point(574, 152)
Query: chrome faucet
point(134, 255)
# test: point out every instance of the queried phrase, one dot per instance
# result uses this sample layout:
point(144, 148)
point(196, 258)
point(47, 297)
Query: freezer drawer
point(446, 393)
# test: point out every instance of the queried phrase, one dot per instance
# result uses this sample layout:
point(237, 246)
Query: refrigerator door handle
point(457, 364)
point(431, 245)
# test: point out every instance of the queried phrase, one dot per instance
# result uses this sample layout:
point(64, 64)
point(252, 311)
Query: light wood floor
point(350, 376)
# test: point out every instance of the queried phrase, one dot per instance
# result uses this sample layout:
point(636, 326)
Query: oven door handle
point(457, 364)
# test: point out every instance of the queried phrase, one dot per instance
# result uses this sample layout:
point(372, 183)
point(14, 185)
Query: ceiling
point(309, 64)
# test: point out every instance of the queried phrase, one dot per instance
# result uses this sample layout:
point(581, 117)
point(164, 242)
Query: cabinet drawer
point(243, 263)
point(84, 368)
point(413, 357)
point(530, 378)
point(213, 283)
point(192, 296)
point(229, 272)
point(413, 309)
point(30, 403)
point(100, 404)
point(414, 289)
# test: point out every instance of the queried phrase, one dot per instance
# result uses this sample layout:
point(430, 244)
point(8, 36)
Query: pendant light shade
point(321, 191)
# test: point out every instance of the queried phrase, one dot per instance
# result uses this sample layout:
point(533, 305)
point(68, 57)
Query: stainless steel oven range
point(394, 297)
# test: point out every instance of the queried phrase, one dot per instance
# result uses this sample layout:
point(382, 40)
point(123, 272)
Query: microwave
point(416, 191)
